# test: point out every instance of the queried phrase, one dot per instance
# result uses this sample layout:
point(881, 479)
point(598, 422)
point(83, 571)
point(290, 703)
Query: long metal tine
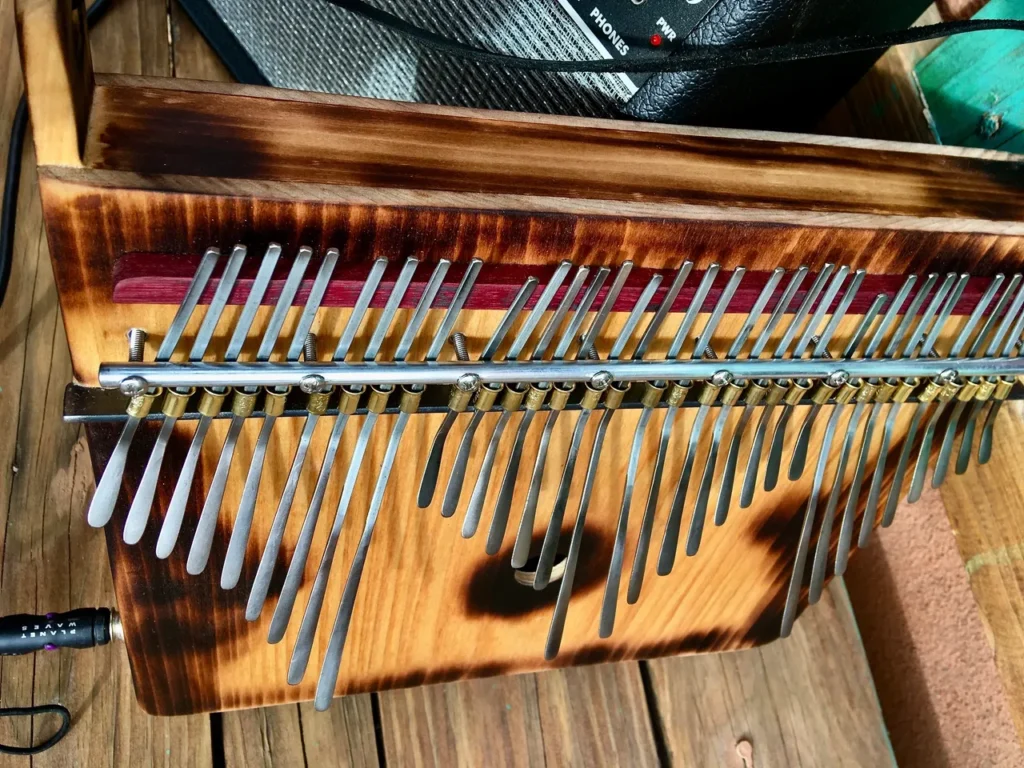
point(510, 402)
point(803, 439)
point(307, 630)
point(864, 395)
point(521, 548)
point(176, 400)
point(101, 508)
point(881, 393)
point(315, 408)
point(777, 390)
point(791, 392)
point(755, 393)
point(210, 404)
point(243, 404)
point(708, 396)
point(375, 406)
point(485, 398)
point(675, 396)
point(988, 387)
point(235, 557)
point(534, 400)
point(590, 400)
point(970, 389)
point(729, 398)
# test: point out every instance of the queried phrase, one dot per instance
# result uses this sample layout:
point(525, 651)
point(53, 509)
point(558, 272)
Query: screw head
point(134, 385)
point(947, 376)
point(601, 380)
point(312, 384)
point(467, 382)
point(722, 379)
point(838, 379)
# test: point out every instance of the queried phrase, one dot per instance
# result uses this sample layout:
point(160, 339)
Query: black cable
point(687, 58)
point(12, 177)
point(41, 709)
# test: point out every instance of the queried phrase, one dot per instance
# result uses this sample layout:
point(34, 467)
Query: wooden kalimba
point(401, 380)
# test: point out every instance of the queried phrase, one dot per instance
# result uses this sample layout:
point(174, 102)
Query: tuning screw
point(458, 340)
point(134, 385)
point(312, 384)
point(136, 344)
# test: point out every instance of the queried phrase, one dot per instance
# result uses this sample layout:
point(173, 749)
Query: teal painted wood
point(974, 84)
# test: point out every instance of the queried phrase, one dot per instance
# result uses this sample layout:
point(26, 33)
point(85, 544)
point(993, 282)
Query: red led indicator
point(655, 39)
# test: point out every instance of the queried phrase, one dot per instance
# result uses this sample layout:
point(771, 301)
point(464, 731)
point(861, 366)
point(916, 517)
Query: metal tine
point(652, 394)
point(932, 389)
point(375, 406)
point(428, 482)
point(307, 630)
point(210, 404)
point(676, 395)
point(971, 388)
point(901, 391)
point(485, 397)
point(237, 545)
point(880, 392)
point(512, 398)
point(755, 394)
point(521, 548)
point(771, 392)
point(534, 400)
point(590, 400)
point(847, 390)
point(1003, 389)
point(967, 442)
point(791, 392)
point(955, 386)
point(176, 400)
point(611, 405)
point(803, 440)
point(242, 406)
point(316, 407)
point(303, 343)
point(101, 508)
point(732, 394)
point(865, 393)
point(709, 393)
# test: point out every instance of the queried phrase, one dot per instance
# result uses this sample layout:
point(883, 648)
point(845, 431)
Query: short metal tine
point(312, 306)
point(1003, 386)
point(654, 326)
point(375, 406)
point(307, 631)
point(462, 292)
point(777, 390)
point(176, 400)
point(970, 389)
point(209, 406)
point(940, 387)
point(242, 406)
point(676, 394)
point(524, 536)
point(754, 396)
point(315, 408)
point(730, 397)
point(590, 400)
point(954, 388)
point(790, 391)
point(810, 333)
point(488, 393)
point(708, 396)
point(362, 305)
point(104, 498)
point(800, 448)
point(510, 401)
point(533, 401)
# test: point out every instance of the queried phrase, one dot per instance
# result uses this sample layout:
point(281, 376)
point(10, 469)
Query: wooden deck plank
point(806, 700)
point(582, 716)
